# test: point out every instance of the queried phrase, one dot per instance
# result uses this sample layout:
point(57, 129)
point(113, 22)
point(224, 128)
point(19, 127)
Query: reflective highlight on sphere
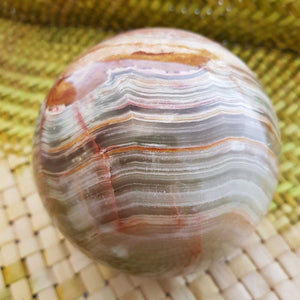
point(156, 152)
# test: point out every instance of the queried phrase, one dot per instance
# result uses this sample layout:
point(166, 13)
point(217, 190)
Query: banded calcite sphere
point(156, 152)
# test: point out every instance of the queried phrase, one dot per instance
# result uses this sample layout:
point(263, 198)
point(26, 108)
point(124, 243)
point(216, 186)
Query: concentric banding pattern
point(157, 151)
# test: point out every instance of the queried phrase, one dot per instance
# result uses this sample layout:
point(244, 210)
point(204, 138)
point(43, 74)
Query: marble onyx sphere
point(156, 152)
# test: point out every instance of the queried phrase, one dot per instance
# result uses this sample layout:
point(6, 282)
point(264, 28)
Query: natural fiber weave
point(35, 258)
point(257, 22)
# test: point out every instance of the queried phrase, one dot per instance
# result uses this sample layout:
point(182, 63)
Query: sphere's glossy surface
point(156, 152)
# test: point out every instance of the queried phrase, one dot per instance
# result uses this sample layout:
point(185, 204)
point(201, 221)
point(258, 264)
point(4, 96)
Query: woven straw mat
point(37, 40)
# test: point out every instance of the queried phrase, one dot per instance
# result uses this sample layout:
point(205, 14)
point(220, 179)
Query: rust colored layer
point(114, 149)
point(106, 45)
point(200, 58)
point(74, 85)
point(63, 92)
point(81, 139)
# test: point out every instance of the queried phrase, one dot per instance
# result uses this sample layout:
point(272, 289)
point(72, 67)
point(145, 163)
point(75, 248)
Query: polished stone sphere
point(156, 152)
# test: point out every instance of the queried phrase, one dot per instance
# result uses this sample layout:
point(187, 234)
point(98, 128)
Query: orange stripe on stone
point(196, 148)
point(112, 47)
point(127, 118)
point(116, 149)
point(192, 59)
